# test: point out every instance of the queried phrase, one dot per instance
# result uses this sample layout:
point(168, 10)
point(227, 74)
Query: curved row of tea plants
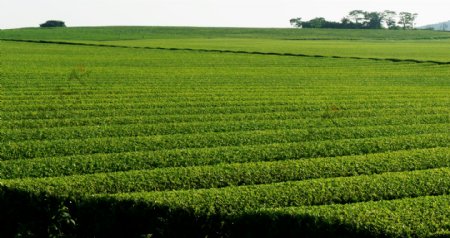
point(99, 141)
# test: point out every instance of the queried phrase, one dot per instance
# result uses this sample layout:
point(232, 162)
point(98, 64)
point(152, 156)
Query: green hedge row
point(36, 148)
point(51, 102)
point(237, 200)
point(148, 118)
point(427, 216)
point(225, 211)
point(311, 110)
point(143, 129)
point(223, 175)
point(95, 163)
point(354, 103)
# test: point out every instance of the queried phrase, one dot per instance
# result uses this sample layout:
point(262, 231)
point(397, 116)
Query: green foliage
point(61, 221)
point(79, 73)
point(53, 23)
point(116, 143)
point(359, 19)
point(410, 217)
point(110, 162)
point(222, 175)
point(296, 22)
point(421, 49)
point(208, 137)
point(406, 20)
point(139, 33)
point(238, 200)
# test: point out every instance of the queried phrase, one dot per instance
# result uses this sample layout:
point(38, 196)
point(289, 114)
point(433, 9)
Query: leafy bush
point(53, 23)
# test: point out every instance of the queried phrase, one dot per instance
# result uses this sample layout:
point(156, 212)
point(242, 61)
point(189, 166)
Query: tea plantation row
point(101, 141)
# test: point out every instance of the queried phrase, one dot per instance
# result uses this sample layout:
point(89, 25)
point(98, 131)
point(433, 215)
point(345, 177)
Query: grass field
point(139, 33)
point(437, 50)
point(342, 133)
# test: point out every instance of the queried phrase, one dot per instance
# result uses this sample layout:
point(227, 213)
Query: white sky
point(233, 13)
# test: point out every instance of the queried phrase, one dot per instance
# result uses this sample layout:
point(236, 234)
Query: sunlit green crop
point(178, 132)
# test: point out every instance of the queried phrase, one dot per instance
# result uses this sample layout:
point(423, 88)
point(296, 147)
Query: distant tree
point(356, 16)
point(406, 20)
point(296, 22)
point(359, 19)
point(373, 20)
point(345, 21)
point(53, 23)
point(390, 19)
point(318, 22)
point(444, 26)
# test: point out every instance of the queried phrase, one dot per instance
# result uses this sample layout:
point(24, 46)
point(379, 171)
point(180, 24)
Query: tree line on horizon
point(359, 19)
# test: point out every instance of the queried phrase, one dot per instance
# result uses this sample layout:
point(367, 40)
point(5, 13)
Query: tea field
point(203, 132)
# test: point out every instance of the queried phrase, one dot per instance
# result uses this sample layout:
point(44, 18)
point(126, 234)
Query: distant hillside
point(141, 33)
point(439, 26)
